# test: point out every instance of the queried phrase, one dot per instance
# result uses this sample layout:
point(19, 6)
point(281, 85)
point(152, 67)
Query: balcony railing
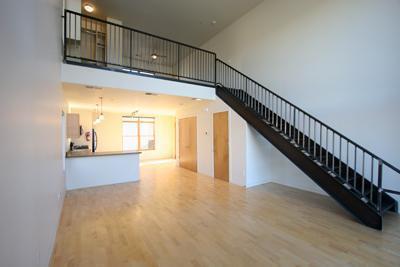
point(103, 44)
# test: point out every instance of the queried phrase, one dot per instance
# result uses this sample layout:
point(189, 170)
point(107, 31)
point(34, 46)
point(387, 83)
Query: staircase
point(345, 170)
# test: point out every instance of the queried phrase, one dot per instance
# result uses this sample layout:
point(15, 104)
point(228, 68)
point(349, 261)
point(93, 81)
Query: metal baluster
point(340, 156)
point(363, 173)
point(315, 139)
point(281, 125)
point(333, 151)
point(290, 121)
point(276, 112)
point(269, 109)
point(320, 142)
point(294, 124)
point(371, 190)
point(347, 163)
point(69, 30)
point(75, 29)
point(304, 126)
point(266, 104)
point(298, 127)
point(130, 50)
point(285, 118)
point(327, 145)
point(380, 190)
point(309, 133)
point(355, 167)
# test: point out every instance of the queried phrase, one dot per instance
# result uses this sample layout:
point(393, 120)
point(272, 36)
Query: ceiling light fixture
point(154, 56)
point(88, 7)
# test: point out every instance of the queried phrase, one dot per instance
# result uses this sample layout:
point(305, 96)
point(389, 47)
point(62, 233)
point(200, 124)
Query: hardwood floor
point(174, 217)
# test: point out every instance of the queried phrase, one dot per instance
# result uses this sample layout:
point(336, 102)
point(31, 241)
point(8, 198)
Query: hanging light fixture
point(101, 117)
point(97, 120)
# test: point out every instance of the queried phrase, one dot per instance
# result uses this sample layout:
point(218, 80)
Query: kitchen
point(109, 132)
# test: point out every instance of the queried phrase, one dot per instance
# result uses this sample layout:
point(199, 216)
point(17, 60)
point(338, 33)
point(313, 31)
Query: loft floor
point(174, 217)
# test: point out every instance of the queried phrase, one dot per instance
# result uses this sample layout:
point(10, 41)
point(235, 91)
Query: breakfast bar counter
point(87, 169)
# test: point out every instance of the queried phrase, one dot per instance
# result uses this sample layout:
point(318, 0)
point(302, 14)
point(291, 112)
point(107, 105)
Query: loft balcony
point(106, 45)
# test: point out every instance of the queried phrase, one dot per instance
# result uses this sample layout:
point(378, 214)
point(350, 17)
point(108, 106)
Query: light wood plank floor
point(174, 217)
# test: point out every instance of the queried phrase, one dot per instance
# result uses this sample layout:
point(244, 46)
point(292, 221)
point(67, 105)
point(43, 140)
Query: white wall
point(205, 157)
point(339, 60)
point(30, 115)
point(267, 164)
point(105, 78)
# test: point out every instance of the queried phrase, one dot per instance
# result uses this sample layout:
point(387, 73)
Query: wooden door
point(188, 143)
point(221, 145)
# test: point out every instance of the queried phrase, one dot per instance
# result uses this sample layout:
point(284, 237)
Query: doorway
point(221, 145)
point(188, 143)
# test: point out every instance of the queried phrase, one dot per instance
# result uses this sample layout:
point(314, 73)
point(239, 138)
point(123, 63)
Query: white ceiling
point(124, 101)
point(188, 21)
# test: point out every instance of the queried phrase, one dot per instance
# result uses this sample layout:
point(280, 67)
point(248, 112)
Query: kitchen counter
point(88, 153)
point(86, 169)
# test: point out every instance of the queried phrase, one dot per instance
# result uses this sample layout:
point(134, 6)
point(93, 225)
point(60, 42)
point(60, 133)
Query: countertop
point(87, 153)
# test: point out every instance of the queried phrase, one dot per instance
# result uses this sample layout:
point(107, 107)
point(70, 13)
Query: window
point(138, 133)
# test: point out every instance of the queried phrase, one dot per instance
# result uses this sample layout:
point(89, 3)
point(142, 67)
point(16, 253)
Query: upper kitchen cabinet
point(73, 125)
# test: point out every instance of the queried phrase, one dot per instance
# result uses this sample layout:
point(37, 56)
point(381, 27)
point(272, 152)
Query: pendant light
point(101, 117)
point(97, 120)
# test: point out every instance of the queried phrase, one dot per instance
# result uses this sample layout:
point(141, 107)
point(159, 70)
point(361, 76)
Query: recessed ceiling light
point(88, 7)
point(154, 56)
point(213, 22)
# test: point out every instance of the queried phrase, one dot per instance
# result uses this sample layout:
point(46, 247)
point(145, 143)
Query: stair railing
point(90, 41)
point(356, 167)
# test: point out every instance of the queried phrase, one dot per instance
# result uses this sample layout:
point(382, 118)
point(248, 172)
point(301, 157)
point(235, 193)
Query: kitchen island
point(87, 169)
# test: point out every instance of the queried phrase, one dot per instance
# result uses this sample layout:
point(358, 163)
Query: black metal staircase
point(346, 171)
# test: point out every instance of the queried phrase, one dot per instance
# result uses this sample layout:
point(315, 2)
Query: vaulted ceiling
point(187, 21)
